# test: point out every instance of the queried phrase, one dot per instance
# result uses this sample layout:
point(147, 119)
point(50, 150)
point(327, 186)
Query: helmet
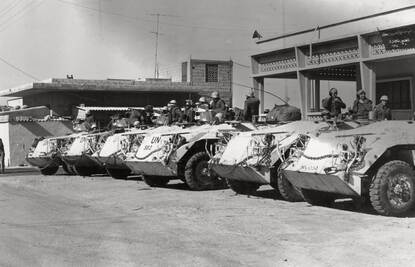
point(215, 94)
point(136, 123)
point(384, 97)
point(148, 108)
point(188, 102)
point(173, 102)
point(361, 91)
point(202, 99)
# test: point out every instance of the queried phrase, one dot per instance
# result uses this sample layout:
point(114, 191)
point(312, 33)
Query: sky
point(99, 39)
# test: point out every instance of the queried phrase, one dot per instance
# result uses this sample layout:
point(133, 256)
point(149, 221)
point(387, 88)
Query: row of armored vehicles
point(316, 161)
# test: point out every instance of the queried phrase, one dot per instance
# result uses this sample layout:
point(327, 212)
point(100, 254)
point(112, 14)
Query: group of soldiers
point(361, 109)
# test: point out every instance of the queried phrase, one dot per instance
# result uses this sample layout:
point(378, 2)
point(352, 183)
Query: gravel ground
point(98, 221)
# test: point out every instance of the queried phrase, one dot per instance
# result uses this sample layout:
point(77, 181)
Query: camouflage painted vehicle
point(181, 154)
point(373, 162)
point(252, 159)
point(115, 149)
point(79, 154)
point(46, 154)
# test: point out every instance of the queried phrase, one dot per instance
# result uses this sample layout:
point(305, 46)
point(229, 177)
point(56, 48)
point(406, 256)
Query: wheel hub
point(399, 190)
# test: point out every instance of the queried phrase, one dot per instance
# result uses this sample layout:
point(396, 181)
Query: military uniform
point(382, 112)
point(361, 110)
point(251, 108)
point(333, 105)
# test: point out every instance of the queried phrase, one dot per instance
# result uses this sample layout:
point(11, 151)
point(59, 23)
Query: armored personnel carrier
point(46, 154)
point(252, 159)
point(116, 147)
point(375, 162)
point(181, 154)
point(79, 154)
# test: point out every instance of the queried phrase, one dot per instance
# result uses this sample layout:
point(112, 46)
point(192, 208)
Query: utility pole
point(157, 33)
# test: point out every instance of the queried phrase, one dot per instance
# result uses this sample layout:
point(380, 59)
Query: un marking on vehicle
point(309, 168)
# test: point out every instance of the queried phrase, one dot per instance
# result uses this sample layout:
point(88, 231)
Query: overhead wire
point(265, 91)
point(18, 15)
point(153, 21)
point(19, 69)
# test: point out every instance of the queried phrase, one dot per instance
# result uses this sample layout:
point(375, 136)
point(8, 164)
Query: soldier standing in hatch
point(1, 156)
point(361, 106)
point(382, 110)
point(189, 112)
point(218, 106)
point(251, 107)
point(174, 112)
point(333, 104)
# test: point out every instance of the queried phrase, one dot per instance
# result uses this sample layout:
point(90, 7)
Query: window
point(398, 92)
point(211, 73)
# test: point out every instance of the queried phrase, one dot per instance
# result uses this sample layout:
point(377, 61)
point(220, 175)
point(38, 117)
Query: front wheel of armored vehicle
point(118, 173)
point(392, 190)
point(50, 170)
point(287, 190)
point(197, 174)
point(242, 187)
point(318, 198)
point(155, 181)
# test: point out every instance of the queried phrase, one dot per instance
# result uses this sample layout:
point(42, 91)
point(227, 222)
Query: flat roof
point(109, 85)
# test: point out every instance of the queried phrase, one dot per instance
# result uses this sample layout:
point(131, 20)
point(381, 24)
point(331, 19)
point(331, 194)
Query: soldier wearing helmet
point(218, 106)
point(147, 116)
point(174, 112)
point(333, 103)
point(382, 110)
point(189, 112)
point(361, 106)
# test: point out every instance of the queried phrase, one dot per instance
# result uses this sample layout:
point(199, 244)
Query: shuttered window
point(211, 72)
point(398, 93)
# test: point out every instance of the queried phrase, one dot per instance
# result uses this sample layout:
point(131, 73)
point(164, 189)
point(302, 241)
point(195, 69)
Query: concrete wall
point(4, 135)
point(224, 84)
point(22, 134)
point(63, 103)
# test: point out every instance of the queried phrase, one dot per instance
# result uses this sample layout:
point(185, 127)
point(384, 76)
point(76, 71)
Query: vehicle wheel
point(50, 170)
point(318, 198)
point(83, 171)
point(197, 174)
point(118, 173)
point(392, 190)
point(287, 190)
point(67, 169)
point(242, 187)
point(155, 181)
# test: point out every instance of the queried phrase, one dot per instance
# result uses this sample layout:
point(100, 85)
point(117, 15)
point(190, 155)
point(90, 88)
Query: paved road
point(73, 221)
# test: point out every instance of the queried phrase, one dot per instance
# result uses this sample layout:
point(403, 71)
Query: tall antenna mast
point(157, 33)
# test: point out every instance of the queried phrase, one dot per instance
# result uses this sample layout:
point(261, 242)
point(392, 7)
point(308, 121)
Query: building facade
point(62, 96)
point(376, 53)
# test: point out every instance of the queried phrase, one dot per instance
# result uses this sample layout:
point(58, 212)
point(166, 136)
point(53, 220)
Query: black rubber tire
point(318, 198)
point(50, 170)
point(83, 171)
point(67, 169)
point(380, 186)
point(287, 190)
point(242, 187)
point(194, 177)
point(155, 181)
point(118, 173)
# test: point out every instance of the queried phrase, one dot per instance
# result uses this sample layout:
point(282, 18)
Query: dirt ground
point(73, 221)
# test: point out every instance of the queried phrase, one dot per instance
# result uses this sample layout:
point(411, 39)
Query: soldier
point(361, 106)
point(147, 116)
point(218, 106)
point(189, 112)
point(1, 156)
point(382, 110)
point(251, 107)
point(175, 113)
point(333, 104)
